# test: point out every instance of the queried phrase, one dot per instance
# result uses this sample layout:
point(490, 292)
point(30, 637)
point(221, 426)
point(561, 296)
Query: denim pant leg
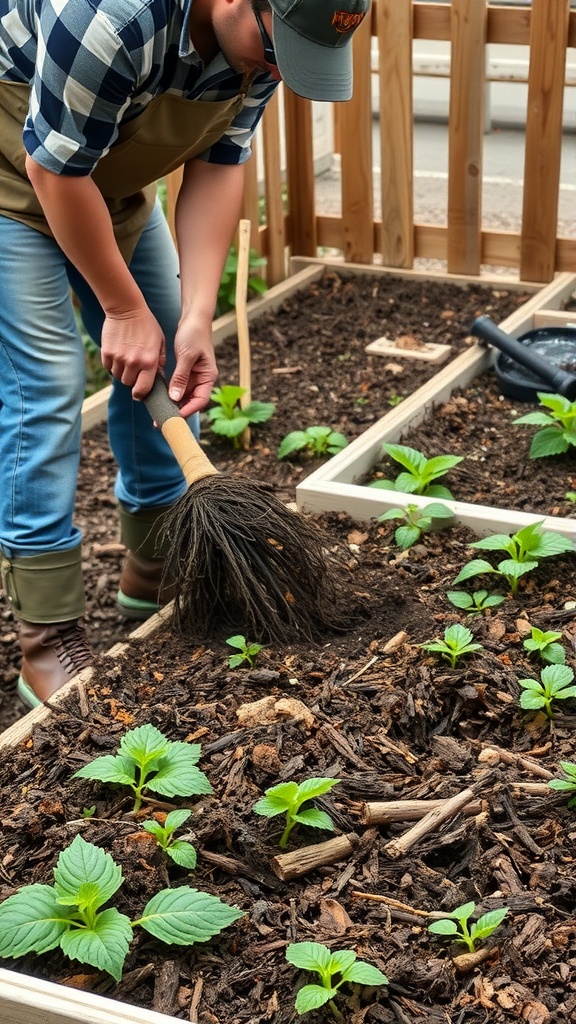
point(42, 374)
point(148, 474)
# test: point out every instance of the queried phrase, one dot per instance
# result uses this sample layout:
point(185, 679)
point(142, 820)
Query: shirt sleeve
point(235, 145)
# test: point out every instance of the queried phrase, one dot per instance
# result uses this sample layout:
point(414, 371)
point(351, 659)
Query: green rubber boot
point(142, 591)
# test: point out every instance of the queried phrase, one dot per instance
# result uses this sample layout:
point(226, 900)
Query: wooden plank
point(297, 263)
point(548, 41)
point(466, 135)
point(26, 1000)
point(95, 409)
point(276, 238)
point(250, 198)
point(300, 174)
point(555, 318)
point(431, 21)
point(394, 32)
point(510, 25)
point(356, 165)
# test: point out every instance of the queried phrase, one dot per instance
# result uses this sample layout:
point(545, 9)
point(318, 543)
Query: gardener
point(98, 99)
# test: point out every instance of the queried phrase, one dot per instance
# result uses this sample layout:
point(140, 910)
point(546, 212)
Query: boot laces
point(71, 648)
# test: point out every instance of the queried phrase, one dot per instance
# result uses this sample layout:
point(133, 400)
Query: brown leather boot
point(141, 593)
point(53, 654)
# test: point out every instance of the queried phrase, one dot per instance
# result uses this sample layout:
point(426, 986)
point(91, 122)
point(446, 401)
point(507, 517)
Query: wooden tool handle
point(189, 455)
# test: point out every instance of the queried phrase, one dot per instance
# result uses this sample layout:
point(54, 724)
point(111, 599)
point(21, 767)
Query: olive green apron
point(168, 132)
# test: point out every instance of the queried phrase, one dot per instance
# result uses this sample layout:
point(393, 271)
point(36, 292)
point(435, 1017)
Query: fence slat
point(300, 174)
point(548, 41)
point(394, 32)
point(466, 135)
point(250, 206)
point(276, 235)
point(356, 134)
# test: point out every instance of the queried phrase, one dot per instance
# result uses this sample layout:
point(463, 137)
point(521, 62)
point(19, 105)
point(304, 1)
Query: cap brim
point(313, 71)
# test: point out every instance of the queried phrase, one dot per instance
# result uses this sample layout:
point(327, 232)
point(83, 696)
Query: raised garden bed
point(372, 708)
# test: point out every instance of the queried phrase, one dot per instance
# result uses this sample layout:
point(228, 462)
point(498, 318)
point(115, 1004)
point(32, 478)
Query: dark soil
point(369, 707)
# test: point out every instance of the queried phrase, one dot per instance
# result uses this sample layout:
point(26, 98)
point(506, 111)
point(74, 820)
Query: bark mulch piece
point(369, 707)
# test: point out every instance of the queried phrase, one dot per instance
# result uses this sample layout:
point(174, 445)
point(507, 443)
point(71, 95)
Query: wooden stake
point(448, 808)
point(292, 865)
point(244, 359)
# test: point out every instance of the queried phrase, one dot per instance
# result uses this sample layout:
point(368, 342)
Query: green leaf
point(84, 865)
point(458, 636)
point(513, 570)
point(235, 660)
point(341, 960)
point(309, 956)
point(557, 678)
point(310, 997)
point(438, 491)
point(311, 788)
point(175, 819)
point(406, 536)
point(104, 945)
point(259, 412)
point(182, 853)
point(436, 510)
point(391, 513)
point(495, 542)
point(551, 543)
point(184, 916)
point(477, 567)
point(383, 485)
point(531, 701)
point(230, 427)
point(315, 818)
point(547, 442)
point(177, 773)
point(538, 419)
point(444, 927)
point(488, 923)
point(284, 794)
point(293, 442)
point(31, 921)
point(270, 806)
point(440, 464)
point(464, 911)
point(412, 460)
point(108, 768)
point(460, 599)
point(237, 641)
point(361, 973)
point(143, 744)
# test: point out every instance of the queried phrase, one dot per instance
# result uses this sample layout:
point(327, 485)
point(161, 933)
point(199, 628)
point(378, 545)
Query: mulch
point(369, 707)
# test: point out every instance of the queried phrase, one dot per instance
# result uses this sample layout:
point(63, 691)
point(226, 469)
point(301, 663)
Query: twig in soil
point(390, 902)
point(467, 961)
point(360, 672)
point(299, 862)
point(341, 744)
point(195, 1001)
point(494, 755)
point(381, 813)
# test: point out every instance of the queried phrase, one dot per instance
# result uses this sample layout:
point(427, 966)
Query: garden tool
point(239, 556)
point(534, 362)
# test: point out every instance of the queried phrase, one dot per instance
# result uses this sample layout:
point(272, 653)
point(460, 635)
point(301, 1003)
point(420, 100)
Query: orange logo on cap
point(345, 21)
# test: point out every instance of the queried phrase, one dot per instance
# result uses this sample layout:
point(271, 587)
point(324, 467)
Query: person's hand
point(133, 349)
point(196, 372)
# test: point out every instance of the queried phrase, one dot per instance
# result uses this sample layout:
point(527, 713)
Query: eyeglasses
point(269, 55)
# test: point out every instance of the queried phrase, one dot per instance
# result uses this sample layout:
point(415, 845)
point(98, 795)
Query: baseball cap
point(312, 45)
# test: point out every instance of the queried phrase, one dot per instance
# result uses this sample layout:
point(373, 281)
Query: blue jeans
point(42, 383)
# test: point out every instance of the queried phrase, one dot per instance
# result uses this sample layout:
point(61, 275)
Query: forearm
point(79, 220)
point(207, 214)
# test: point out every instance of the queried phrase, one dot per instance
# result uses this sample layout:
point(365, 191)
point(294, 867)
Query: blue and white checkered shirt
point(95, 64)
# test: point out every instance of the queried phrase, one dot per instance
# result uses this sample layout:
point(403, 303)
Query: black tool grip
point(159, 404)
point(559, 381)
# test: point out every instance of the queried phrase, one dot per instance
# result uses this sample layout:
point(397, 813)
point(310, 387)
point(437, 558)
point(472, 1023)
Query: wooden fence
point(395, 240)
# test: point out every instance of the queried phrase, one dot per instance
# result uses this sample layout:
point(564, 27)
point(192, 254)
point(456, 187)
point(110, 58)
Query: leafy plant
point(544, 643)
point(69, 913)
point(248, 652)
point(147, 760)
point(342, 964)
point(395, 399)
point(568, 782)
point(554, 684)
point(416, 521)
point(227, 290)
point(287, 798)
point(228, 419)
point(458, 641)
point(570, 496)
point(455, 925)
point(420, 472)
point(525, 549)
point(316, 441)
point(475, 603)
point(558, 432)
point(181, 851)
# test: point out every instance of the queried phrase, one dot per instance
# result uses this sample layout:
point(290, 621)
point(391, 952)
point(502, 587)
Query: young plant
point(455, 925)
point(227, 289)
point(316, 441)
point(568, 782)
point(416, 521)
point(69, 913)
point(248, 652)
point(228, 419)
point(181, 851)
point(544, 643)
point(474, 604)
point(554, 684)
point(342, 964)
point(558, 431)
point(457, 642)
point(288, 797)
point(147, 760)
point(525, 550)
point(420, 472)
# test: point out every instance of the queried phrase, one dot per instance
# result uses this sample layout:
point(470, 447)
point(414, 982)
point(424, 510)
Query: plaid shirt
point(95, 64)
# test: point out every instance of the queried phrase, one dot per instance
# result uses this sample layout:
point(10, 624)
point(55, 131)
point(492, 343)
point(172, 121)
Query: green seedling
point(420, 472)
point(570, 496)
point(69, 914)
point(474, 604)
point(147, 760)
point(456, 925)
point(315, 441)
point(458, 641)
point(525, 550)
point(416, 521)
point(554, 684)
point(181, 851)
point(89, 812)
point(558, 432)
point(544, 643)
point(248, 652)
point(567, 783)
point(288, 797)
point(227, 289)
point(395, 399)
point(335, 969)
point(228, 419)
